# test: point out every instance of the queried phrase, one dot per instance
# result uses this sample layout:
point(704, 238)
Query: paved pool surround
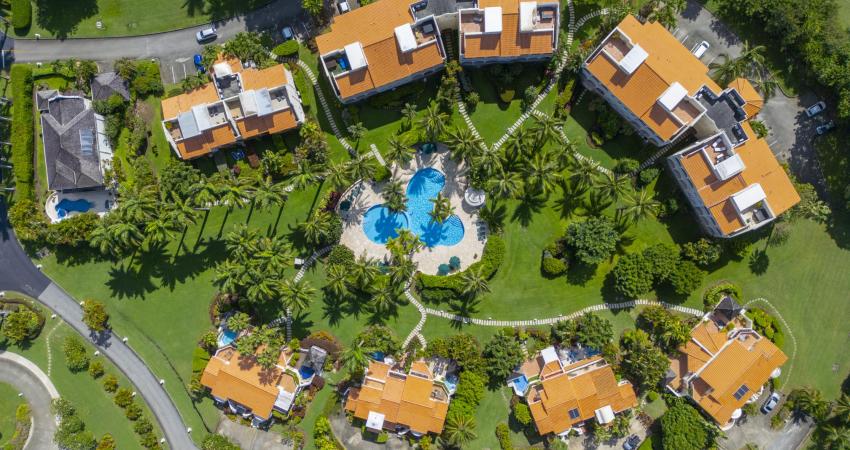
point(428, 260)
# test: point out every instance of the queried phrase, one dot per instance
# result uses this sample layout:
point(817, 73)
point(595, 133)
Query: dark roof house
point(103, 85)
point(71, 141)
point(43, 97)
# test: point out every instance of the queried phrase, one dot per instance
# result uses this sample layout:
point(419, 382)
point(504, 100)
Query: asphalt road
point(36, 393)
point(17, 273)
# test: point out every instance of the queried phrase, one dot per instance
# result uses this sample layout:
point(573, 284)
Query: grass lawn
point(61, 18)
point(9, 402)
point(94, 405)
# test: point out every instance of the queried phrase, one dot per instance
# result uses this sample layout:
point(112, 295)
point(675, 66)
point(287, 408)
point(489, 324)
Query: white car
point(343, 6)
point(205, 35)
point(815, 109)
point(700, 49)
point(771, 403)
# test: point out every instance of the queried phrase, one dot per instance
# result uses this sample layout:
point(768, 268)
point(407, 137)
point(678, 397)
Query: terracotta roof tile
point(510, 42)
point(229, 375)
point(173, 106)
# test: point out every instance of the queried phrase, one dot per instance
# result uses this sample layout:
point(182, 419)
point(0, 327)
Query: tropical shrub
point(703, 252)
point(642, 362)
point(716, 293)
point(287, 49)
point(683, 428)
point(96, 369)
point(766, 325)
point(503, 434)
point(522, 414)
point(22, 129)
point(95, 315)
point(28, 221)
point(75, 354)
point(123, 397)
point(436, 288)
point(592, 241)
point(647, 176)
point(687, 278)
point(110, 383)
point(633, 275)
point(553, 267)
point(22, 325)
point(21, 15)
point(218, 442)
point(626, 166)
point(463, 348)
point(503, 353)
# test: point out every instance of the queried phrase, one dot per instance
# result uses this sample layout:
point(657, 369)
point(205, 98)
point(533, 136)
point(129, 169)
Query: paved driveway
point(791, 132)
point(251, 438)
point(39, 392)
point(756, 430)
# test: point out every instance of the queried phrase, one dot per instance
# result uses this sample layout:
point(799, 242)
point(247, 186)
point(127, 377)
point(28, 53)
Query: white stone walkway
point(326, 108)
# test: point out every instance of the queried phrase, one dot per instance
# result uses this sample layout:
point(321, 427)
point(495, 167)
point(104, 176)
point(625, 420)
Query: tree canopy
point(593, 240)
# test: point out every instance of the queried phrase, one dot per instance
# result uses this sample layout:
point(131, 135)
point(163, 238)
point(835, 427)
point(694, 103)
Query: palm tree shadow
point(527, 208)
point(334, 309)
point(464, 307)
point(301, 325)
point(126, 282)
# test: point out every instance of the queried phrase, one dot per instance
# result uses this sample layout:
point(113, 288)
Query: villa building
point(730, 176)
point(379, 47)
point(725, 364)
point(505, 31)
point(390, 399)
point(242, 386)
point(239, 104)
point(564, 391)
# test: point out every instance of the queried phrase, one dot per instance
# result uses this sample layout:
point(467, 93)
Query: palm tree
point(835, 437)
point(810, 401)
point(597, 202)
point(752, 56)
point(442, 208)
point(337, 278)
point(241, 243)
point(674, 335)
point(384, 299)
point(295, 297)
point(317, 227)
point(750, 60)
point(179, 212)
point(584, 171)
point(356, 132)
point(363, 168)
point(138, 206)
point(505, 185)
point(354, 358)
point(158, 231)
point(464, 145)
point(305, 175)
point(541, 173)
point(401, 271)
point(460, 430)
point(433, 123)
point(639, 205)
point(515, 146)
point(263, 288)
point(765, 82)
point(474, 282)
point(399, 151)
point(102, 240)
point(546, 130)
point(364, 272)
point(409, 113)
point(394, 196)
point(841, 409)
point(611, 185)
point(567, 156)
point(233, 194)
point(231, 276)
point(404, 244)
point(338, 174)
point(266, 193)
point(207, 192)
point(489, 162)
point(664, 11)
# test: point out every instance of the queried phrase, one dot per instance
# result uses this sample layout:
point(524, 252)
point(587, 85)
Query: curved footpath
point(17, 273)
point(39, 392)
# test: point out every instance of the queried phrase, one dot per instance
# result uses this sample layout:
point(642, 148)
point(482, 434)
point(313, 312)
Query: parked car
point(632, 442)
point(199, 63)
point(700, 49)
point(815, 109)
point(287, 33)
point(206, 35)
point(343, 6)
point(825, 128)
point(771, 403)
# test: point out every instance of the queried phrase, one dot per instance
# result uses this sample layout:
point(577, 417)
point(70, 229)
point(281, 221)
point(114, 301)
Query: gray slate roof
point(103, 85)
point(42, 98)
point(70, 145)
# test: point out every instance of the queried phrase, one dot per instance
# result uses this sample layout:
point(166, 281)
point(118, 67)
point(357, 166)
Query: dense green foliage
point(22, 325)
point(589, 330)
point(286, 49)
point(642, 362)
point(593, 240)
point(72, 433)
point(687, 278)
point(435, 288)
point(553, 267)
point(683, 428)
point(636, 274)
point(767, 326)
point(75, 354)
point(503, 354)
point(23, 130)
point(21, 14)
point(666, 330)
point(703, 252)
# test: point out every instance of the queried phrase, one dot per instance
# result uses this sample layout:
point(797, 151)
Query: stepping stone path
point(377, 154)
point(326, 108)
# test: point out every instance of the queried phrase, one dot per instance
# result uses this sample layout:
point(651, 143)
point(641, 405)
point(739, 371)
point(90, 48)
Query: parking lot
point(756, 430)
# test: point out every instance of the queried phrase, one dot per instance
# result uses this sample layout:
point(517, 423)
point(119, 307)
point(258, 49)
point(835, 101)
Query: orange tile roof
point(268, 78)
point(587, 385)
point(276, 122)
point(753, 102)
point(761, 167)
point(231, 376)
point(668, 61)
point(746, 359)
point(510, 42)
point(206, 142)
point(373, 26)
point(403, 400)
point(174, 106)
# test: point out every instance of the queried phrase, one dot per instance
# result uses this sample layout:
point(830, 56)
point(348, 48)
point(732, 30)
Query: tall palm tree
point(354, 359)
point(567, 156)
point(394, 196)
point(546, 130)
point(765, 82)
point(404, 244)
point(597, 202)
point(305, 175)
point(811, 402)
point(409, 113)
point(317, 227)
point(841, 409)
point(337, 278)
point(639, 205)
point(207, 192)
point(611, 185)
point(541, 173)
point(401, 271)
point(474, 282)
point(180, 213)
point(835, 437)
point(505, 185)
point(338, 174)
point(231, 276)
point(232, 193)
point(363, 168)
point(433, 123)
point(752, 56)
point(267, 193)
point(102, 240)
point(583, 172)
point(489, 162)
point(364, 272)
point(356, 131)
point(138, 206)
point(241, 243)
point(384, 299)
point(295, 297)
point(464, 145)
point(517, 144)
point(460, 430)
point(263, 288)
point(158, 231)
point(442, 208)
point(399, 151)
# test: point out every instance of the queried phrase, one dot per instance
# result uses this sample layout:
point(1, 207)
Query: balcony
point(337, 63)
point(472, 22)
point(217, 115)
point(686, 112)
point(616, 47)
point(235, 108)
point(279, 99)
point(425, 32)
point(545, 18)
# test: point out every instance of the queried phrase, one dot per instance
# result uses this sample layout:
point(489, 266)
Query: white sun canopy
point(249, 103)
point(188, 126)
point(493, 19)
point(672, 96)
point(549, 354)
point(375, 421)
point(749, 196)
point(222, 69)
point(633, 59)
point(404, 36)
point(264, 102)
point(526, 15)
point(202, 117)
point(604, 414)
point(729, 167)
point(355, 55)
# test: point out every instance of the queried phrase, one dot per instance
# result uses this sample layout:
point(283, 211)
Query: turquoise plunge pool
point(380, 224)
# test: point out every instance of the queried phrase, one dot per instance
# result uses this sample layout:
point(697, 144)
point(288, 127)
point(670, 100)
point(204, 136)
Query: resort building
point(730, 176)
point(725, 364)
point(239, 384)
point(389, 399)
point(379, 47)
point(504, 31)
point(240, 103)
point(77, 153)
point(565, 389)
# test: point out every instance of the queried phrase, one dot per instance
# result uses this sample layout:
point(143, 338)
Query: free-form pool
point(66, 206)
point(380, 224)
point(226, 337)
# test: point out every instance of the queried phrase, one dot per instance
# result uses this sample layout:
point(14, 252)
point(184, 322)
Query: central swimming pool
point(380, 224)
point(66, 206)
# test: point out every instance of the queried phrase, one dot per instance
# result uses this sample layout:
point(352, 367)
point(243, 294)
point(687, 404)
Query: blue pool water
point(226, 337)
point(521, 383)
point(380, 224)
point(306, 372)
point(65, 206)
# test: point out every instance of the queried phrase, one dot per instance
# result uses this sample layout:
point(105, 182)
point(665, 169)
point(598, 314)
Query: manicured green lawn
point(93, 404)
point(64, 18)
point(9, 402)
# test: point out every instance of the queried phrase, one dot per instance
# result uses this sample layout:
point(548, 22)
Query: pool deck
point(98, 199)
point(428, 260)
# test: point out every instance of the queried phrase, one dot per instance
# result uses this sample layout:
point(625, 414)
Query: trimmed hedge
point(441, 288)
point(21, 14)
point(716, 293)
point(287, 49)
point(23, 131)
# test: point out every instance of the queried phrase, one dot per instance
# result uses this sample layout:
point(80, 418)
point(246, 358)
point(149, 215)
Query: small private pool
point(306, 372)
point(520, 384)
point(226, 337)
point(66, 206)
point(380, 224)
